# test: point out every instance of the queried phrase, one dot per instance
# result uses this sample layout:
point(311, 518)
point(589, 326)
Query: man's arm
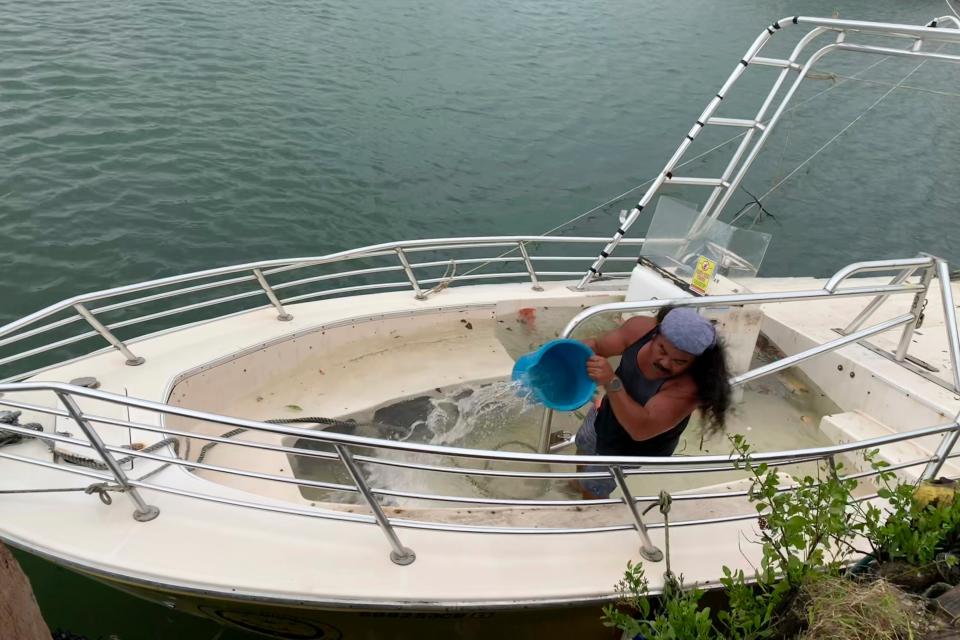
point(676, 400)
point(615, 342)
point(661, 413)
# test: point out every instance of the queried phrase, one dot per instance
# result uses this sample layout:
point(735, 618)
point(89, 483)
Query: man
point(670, 366)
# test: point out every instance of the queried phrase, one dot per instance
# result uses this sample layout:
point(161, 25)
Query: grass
point(841, 609)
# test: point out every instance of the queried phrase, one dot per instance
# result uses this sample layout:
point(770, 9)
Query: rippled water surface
point(147, 139)
point(142, 139)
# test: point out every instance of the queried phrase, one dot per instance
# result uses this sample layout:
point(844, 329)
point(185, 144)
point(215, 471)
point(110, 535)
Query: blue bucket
point(556, 374)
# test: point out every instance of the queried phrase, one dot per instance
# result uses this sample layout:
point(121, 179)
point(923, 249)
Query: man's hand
point(599, 370)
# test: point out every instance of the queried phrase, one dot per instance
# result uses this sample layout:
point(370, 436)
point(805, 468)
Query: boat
point(329, 447)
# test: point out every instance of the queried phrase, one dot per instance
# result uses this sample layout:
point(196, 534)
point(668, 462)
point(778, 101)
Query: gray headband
point(688, 331)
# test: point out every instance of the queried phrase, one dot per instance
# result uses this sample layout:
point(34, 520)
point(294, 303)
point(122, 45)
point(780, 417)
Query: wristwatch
point(614, 385)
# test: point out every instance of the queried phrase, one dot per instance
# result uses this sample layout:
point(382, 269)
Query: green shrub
point(679, 616)
point(808, 531)
point(907, 529)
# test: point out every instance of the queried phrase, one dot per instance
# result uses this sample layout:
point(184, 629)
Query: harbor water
point(141, 140)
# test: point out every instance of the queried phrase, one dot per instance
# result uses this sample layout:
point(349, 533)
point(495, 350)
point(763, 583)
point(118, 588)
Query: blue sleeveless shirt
point(612, 438)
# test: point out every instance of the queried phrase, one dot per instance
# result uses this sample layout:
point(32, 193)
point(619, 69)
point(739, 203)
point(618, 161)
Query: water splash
point(499, 416)
point(476, 414)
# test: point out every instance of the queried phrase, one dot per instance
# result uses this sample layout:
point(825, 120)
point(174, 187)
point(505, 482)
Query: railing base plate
point(653, 554)
point(146, 515)
point(403, 559)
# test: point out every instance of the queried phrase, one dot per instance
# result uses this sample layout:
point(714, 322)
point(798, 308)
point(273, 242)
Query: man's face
point(669, 360)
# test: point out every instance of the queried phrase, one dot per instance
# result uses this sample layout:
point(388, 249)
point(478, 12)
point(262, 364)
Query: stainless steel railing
point(342, 446)
point(52, 331)
point(341, 450)
point(928, 265)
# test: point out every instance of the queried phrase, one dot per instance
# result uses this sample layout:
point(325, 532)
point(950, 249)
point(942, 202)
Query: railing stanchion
point(943, 451)
point(950, 320)
point(919, 302)
point(418, 293)
point(272, 296)
point(869, 310)
point(132, 360)
point(530, 269)
point(144, 512)
point(953, 339)
point(647, 550)
point(400, 554)
point(546, 424)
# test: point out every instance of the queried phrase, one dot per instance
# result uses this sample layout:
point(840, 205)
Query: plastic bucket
point(556, 374)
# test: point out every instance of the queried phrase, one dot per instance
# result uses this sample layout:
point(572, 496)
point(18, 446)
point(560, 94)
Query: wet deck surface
point(779, 412)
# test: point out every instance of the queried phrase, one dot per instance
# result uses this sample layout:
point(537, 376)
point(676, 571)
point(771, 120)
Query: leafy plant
point(907, 530)
point(807, 531)
point(751, 609)
point(804, 527)
point(679, 617)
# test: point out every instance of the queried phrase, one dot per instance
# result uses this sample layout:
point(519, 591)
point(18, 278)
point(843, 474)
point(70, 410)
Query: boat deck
point(263, 554)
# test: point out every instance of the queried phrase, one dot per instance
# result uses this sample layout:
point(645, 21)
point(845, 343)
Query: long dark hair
point(710, 374)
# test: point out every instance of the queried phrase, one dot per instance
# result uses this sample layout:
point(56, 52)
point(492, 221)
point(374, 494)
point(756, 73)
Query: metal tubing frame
point(132, 360)
point(16, 330)
point(144, 512)
point(418, 294)
point(822, 453)
point(875, 304)
point(870, 266)
point(743, 299)
point(267, 289)
point(546, 430)
point(529, 265)
point(269, 267)
point(727, 184)
point(687, 463)
point(953, 338)
point(950, 317)
point(647, 548)
point(349, 517)
point(399, 554)
point(916, 308)
point(790, 361)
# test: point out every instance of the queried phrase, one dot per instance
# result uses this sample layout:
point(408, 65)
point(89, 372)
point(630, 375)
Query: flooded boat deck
point(446, 382)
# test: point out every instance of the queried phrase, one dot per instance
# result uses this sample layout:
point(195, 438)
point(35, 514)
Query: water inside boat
point(487, 413)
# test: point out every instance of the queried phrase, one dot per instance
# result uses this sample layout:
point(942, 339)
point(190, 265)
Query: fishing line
point(952, 10)
point(616, 198)
point(893, 88)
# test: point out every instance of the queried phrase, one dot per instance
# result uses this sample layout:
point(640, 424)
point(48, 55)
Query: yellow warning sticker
point(703, 274)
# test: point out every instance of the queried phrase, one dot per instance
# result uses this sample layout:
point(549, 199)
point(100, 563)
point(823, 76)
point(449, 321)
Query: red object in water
point(528, 316)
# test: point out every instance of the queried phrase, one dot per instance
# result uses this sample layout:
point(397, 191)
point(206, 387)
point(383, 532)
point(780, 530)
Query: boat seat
point(851, 426)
